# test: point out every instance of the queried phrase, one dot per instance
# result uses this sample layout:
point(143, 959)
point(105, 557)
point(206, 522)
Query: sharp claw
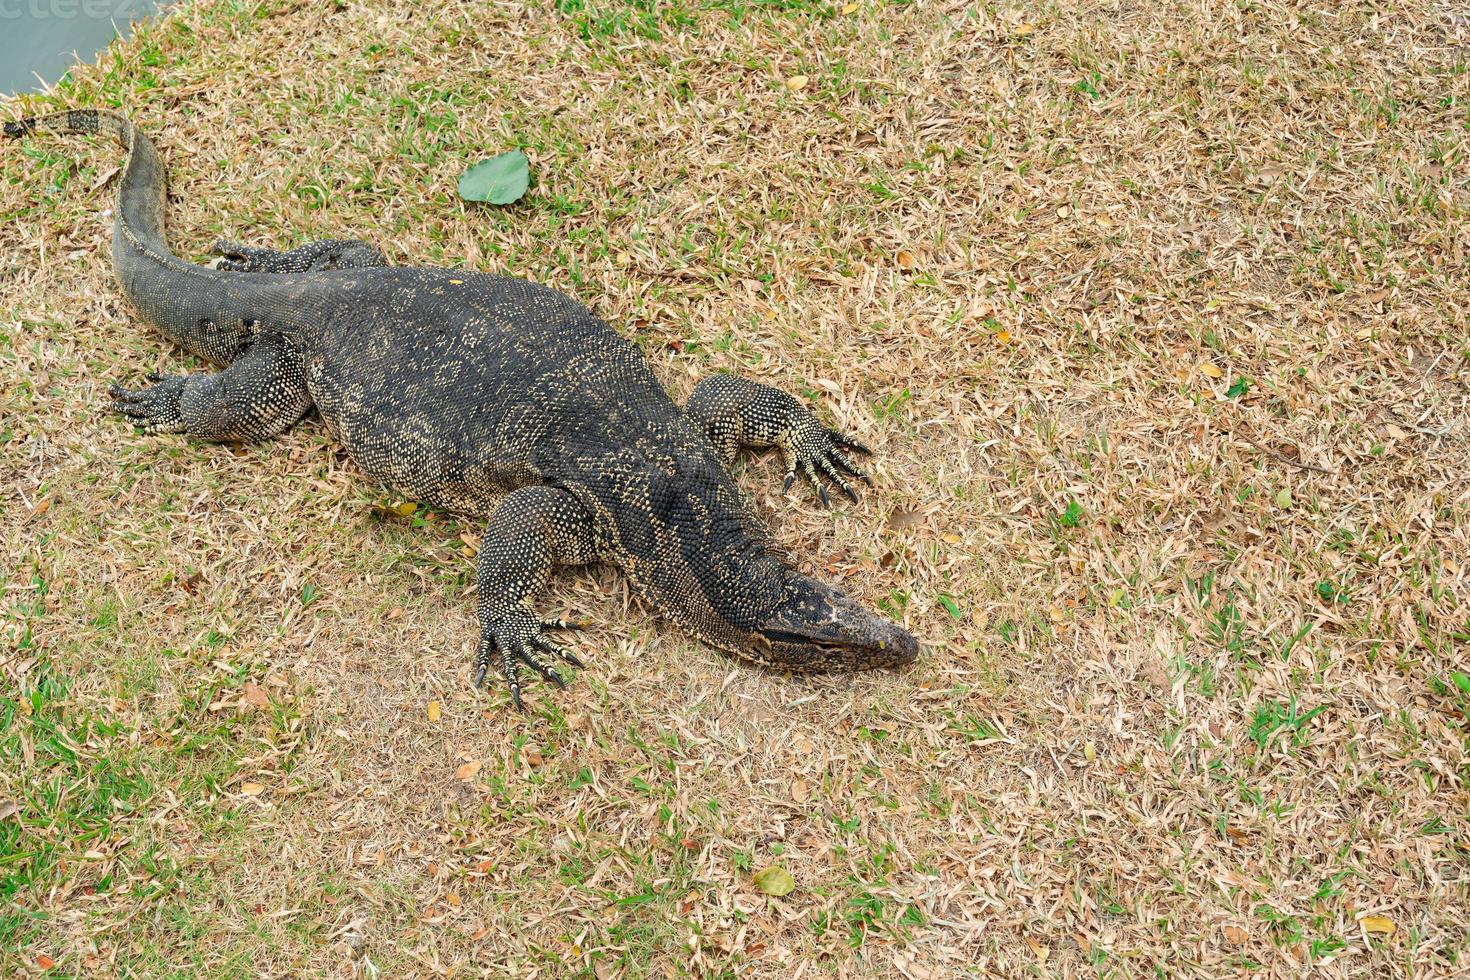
point(822, 493)
point(515, 696)
point(827, 466)
point(546, 646)
point(479, 677)
point(555, 678)
point(154, 376)
point(790, 479)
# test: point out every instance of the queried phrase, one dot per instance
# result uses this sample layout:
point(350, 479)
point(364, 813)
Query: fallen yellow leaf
point(1004, 336)
point(435, 712)
point(467, 772)
point(251, 789)
point(1378, 924)
point(1024, 30)
point(405, 509)
point(796, 83)
point(1210, 371)
point(849, 8)
point(905, 260)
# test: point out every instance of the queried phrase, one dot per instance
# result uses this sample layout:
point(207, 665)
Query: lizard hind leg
point(332, 253)
point(261, 394)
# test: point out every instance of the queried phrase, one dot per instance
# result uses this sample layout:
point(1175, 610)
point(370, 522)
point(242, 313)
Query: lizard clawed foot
point(820, 451)
point(518, 639)
point(152, 409)
point(234, 257)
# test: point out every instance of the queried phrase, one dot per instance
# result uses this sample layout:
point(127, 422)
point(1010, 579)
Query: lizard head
point(695, 552)
point(820, 627)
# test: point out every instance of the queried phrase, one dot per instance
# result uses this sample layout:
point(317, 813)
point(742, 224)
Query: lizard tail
point(142, 189)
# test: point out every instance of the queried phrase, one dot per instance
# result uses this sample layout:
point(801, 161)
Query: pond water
point(45, 37)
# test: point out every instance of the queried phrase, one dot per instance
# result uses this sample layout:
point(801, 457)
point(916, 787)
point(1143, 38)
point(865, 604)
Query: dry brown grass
point(1188, 705)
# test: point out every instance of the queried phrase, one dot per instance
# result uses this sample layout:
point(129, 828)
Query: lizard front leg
point(736, 412)
point(533, 530)
point(261, 394)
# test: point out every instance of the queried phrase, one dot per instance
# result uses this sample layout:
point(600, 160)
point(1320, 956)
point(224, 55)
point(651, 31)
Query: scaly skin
point(456, 387)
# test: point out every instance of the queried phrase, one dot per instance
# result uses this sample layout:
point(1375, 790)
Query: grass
point(1157, 319)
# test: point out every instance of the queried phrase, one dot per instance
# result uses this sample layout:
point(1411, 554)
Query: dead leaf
point(251, 789)
point(1236, 935)
point(102, 178)
point(849, 8)
point(468, 771)
point(45, 962)
point(1380, 925)
point(1024, 30)
point(254, 694)
point(532, 755)
point(435, 712)
point(905, 260)
point(8, 809)
point(905, 517)
point(800, 791)
point(1210, 371)
point(796, 82)
point(1003, 335)
point(42, 507)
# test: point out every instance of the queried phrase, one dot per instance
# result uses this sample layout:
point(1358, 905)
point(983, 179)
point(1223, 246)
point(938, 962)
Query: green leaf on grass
point(950, 606)
point(499, 180)
point(775, 880)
